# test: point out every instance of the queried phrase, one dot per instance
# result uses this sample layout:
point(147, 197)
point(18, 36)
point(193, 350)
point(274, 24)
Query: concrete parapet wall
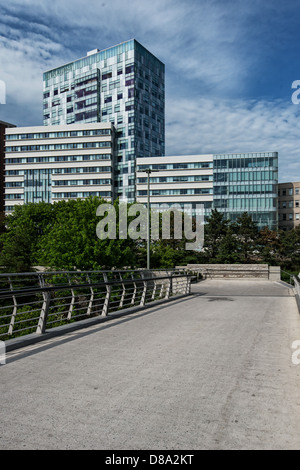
point(235, 271)
point(274, 273)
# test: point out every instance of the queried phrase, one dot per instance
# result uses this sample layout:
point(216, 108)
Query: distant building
point(124, 85)
point(230, 183)
point(3, 126)
point(288, 205)
point(58, 162)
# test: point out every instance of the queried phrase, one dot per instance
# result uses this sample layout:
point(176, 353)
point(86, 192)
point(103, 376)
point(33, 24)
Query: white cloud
point(225, 126)
point(211, 56)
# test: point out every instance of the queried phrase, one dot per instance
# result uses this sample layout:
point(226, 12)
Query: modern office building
point(123, 85)
point(230, 183)
point(288, 205)
point(59, 162)
point(3, 127)
point(184, 181)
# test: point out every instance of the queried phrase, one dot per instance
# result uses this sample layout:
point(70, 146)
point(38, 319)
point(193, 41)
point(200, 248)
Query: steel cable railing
point(34, 302)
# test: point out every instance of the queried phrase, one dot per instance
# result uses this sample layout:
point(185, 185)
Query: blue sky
point(230, 65)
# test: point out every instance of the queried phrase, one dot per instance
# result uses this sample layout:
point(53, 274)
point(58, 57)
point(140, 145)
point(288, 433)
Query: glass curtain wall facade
point(123, 85)
point(247, 183)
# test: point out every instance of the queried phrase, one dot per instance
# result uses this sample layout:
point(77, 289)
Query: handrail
point(26, 309)
point(289, 274)
point(296, 284)
point(6, 293)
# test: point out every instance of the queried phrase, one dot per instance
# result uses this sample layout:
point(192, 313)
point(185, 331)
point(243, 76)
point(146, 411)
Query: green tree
point(23, 229)
point(290, 248)
point(214, 232)
point(269, 245)
point(72, 242)
point(61, 236)
point(247, 236)
point(228, 251)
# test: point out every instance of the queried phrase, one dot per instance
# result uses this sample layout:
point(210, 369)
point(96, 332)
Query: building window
point(283, 216)
point(284, 192)
point(296, 190)
point(290, 216)
point(283, 204)
point(290, 191)
point(296, 203)
point(129, 69)
point(105, 76)
point(291, 204)
point(297, 216)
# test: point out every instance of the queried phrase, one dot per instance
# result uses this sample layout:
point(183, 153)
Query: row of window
point(290, 216)
point(79, 145)
point(80, 182)
point(82, 194)
point(246, 204)
point(246, 163)
point(244, 189)
point(175, 192)
point(14, 196)
point(288, 192)
point(184, 205)
point(55, 135)
point(59, 158)
point(290, 204)
point(175, 166)
point(176, 179)
point(84, 104)
point(19, 184)
point(93, 169)
point(236, 176)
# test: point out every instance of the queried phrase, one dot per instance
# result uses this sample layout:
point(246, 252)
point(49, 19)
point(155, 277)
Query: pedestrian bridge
point(215, 368)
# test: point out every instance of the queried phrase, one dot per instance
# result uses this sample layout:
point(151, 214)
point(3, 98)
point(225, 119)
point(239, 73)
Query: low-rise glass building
point(230, 183)
point(247, 182)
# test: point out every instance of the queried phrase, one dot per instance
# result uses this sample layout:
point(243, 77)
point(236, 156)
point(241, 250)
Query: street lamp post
point(148, 171)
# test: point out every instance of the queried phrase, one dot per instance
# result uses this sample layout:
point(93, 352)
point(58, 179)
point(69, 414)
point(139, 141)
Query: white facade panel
point(38, 175)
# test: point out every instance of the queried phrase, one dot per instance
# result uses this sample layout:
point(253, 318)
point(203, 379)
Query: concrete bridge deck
point(211, 371)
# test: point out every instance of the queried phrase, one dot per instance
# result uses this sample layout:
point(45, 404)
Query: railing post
point(90, 306)
point(107, 297)
point(41, 327)
point(134, 290)
point(154, 290)
point(188, 285)
point(143, 299)
point(169, 287)
point(72, 301)
point(123, 292)
point(14, 313)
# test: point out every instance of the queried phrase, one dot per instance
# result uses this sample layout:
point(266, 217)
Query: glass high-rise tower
point(124, 85)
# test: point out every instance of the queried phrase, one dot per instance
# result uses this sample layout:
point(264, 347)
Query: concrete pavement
point(211, 371)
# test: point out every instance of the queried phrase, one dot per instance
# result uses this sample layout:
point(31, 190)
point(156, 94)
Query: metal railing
point(296, 285)
point(34, 302)
point(287, 277)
